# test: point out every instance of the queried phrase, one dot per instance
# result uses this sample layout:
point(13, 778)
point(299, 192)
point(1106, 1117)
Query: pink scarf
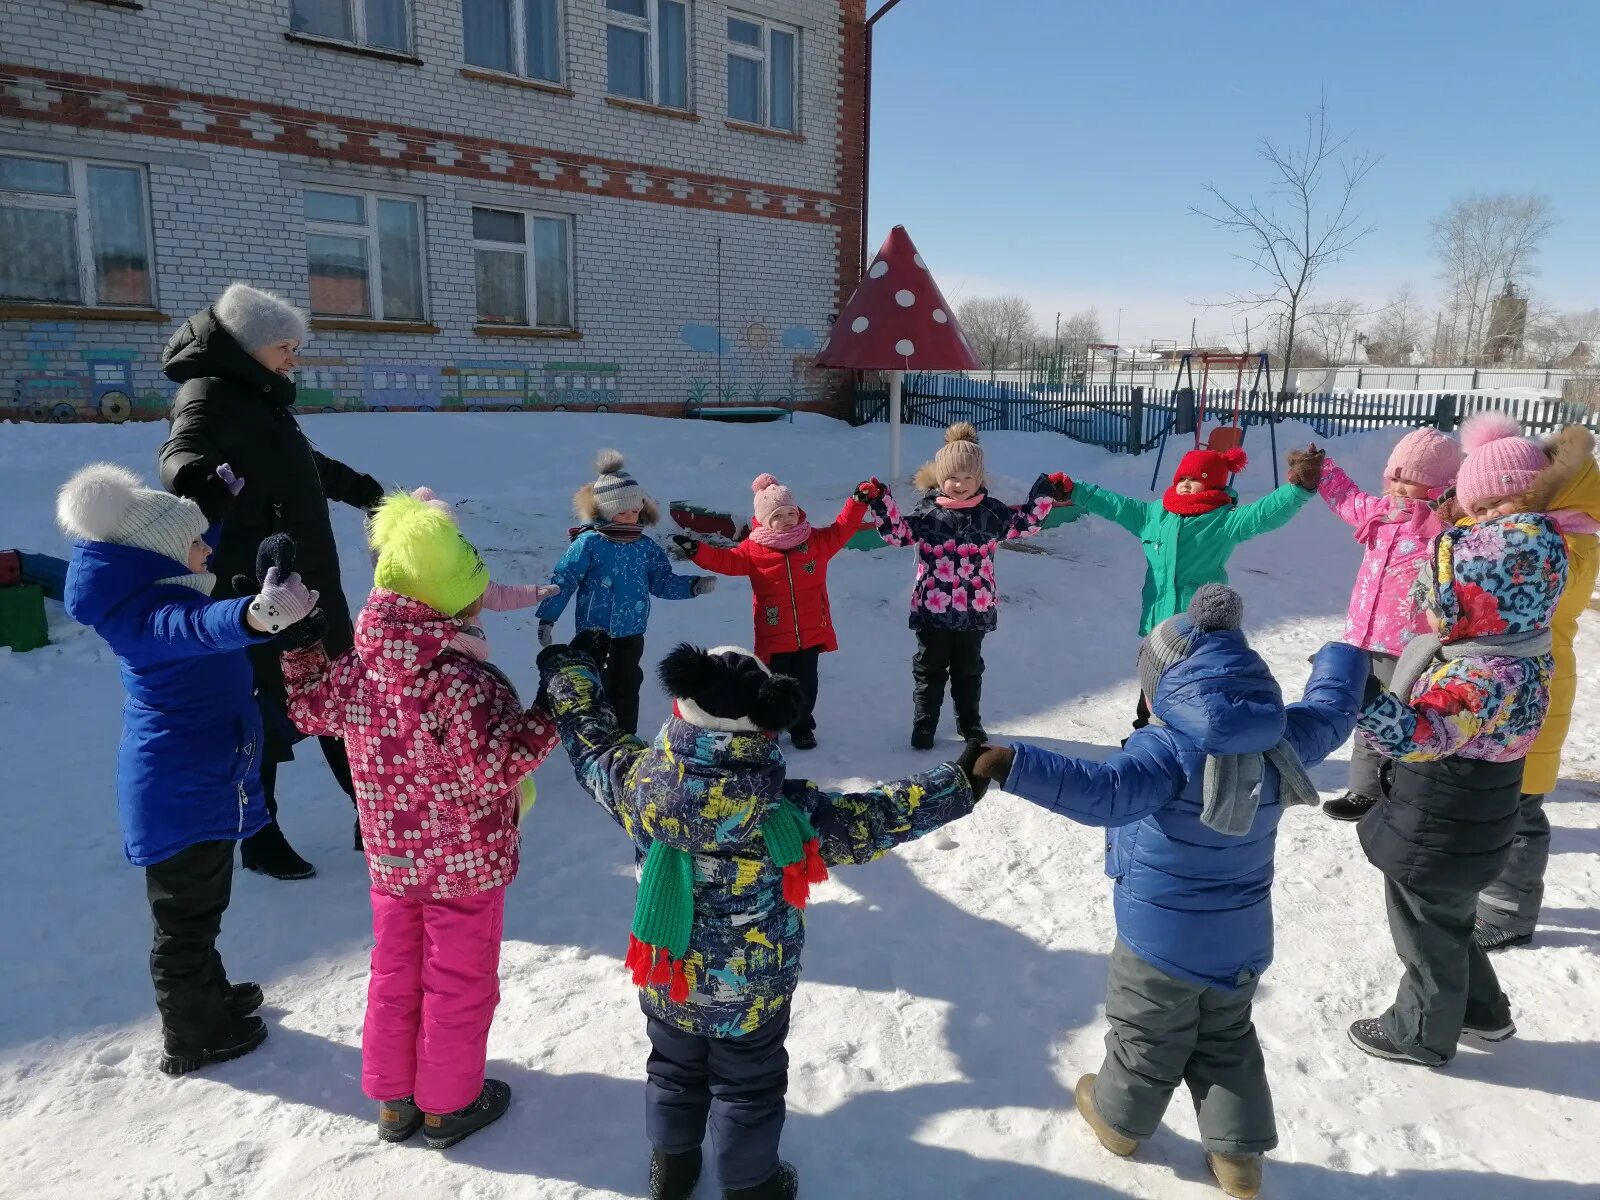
point(470, 641)
point(780, 539)
point(1414, 513)
point(1574, 522)
point(972, 501)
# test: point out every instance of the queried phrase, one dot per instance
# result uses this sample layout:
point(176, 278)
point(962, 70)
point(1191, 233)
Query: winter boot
point(1368, 1035)
point(1109, 1137)
point(783, 1184)
point(1237, 1174)
point(446, 1129)
point(1491, 938)
point(921, 736)
point(242, 999)
point(1487, 1025)
point(236, 1039)
point(673, 1176)
point(803, 739)
point(1351, 806)
point(398, 1119)
point(269, 852)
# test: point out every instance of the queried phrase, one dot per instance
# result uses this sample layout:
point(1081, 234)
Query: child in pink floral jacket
point(439, 744)
point(1396, 529)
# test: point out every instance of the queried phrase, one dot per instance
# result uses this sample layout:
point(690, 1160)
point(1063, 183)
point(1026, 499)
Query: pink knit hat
point(1500, 461)
point(770, 497)
point(1424, 456)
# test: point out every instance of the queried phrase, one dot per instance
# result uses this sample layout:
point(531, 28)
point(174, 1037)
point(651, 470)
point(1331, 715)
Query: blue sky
point(1053, 147)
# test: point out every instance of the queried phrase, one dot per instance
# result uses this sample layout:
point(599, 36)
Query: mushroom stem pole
point(896, 386)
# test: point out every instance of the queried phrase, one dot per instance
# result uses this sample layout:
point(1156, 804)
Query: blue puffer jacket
point(1193, 902)
point(613, 582)
point(188, 767)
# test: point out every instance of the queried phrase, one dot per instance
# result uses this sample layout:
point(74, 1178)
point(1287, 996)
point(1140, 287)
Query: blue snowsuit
point(188, 767)
point(613, 582)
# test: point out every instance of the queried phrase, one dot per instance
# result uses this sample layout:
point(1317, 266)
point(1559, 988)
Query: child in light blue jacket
point(613, 569)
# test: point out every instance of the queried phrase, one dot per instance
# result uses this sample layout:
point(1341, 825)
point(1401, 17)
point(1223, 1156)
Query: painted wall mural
point(62, 380)
point(749, 364)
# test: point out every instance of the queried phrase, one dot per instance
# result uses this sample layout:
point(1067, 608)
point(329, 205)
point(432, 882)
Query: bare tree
point(1001, 327)
point(1564, 339)
point(1399, 331)
point(1484, 243)
point(1333, 326)
point(1080, 331)
point(1307, 223)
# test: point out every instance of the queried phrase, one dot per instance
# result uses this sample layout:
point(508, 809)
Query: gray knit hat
point(615, 490)
point(1214, 606)
point(108, 503)
point(257, 318)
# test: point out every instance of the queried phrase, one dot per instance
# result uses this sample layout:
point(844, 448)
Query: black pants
point(736, 1085)
point(801, 666)
point(956, 655)
point(621, 677)
point(188, 894)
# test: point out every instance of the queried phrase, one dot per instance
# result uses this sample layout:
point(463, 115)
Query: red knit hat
point(1210, 467)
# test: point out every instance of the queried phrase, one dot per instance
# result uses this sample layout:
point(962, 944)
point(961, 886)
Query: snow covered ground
point(952, 991)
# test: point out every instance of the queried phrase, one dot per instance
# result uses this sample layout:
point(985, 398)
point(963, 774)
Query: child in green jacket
point(1190, 534)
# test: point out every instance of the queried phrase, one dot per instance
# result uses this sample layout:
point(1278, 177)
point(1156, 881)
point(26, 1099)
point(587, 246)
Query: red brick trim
point(93, 102)
point(851, 170)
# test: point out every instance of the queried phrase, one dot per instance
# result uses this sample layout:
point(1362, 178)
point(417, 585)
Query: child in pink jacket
point(1396, 528)
point(439, 744)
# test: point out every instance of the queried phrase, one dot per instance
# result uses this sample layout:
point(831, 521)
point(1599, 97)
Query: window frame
point(761, 54)
point(370, 232)
point(78, 204)
point(530, 274)
point(519, 43)
point(358, 28)
point(650, 26)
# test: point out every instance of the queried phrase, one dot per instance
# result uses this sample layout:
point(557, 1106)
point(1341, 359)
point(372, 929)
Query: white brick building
point(483, 202)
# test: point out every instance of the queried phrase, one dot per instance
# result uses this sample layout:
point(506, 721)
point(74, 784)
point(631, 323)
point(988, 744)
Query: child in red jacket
point(786, 561)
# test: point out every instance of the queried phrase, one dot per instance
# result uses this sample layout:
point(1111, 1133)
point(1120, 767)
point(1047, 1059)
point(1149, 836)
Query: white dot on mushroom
point(905, 348)
point(859, 325)
point(939, 316)
point(904, 298)
point(917, 258)
point(879, 270)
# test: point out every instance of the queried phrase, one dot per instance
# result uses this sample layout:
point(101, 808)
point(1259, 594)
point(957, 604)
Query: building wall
point(232, 121)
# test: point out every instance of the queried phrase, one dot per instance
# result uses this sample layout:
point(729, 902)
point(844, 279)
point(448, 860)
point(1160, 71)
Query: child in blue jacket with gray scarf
point(1193, 803)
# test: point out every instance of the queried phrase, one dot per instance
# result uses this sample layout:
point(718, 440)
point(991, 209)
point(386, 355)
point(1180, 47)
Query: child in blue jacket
point(1193, 803)
point(188, 766)
point(613, 569)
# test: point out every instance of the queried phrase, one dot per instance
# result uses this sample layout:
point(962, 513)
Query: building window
point(379, 23)
point(520, 37)
point(763, 74)
point(74, 232)
point(364, 256)
point(524, 267)
point(647, 51)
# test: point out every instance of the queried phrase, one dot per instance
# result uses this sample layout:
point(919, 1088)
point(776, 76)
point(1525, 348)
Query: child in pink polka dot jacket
point(439, 744)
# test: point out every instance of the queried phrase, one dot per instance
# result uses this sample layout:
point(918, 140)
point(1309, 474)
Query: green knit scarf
point(663, 915)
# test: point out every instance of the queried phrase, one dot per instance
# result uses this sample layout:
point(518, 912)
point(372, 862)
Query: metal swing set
point(1190, 404)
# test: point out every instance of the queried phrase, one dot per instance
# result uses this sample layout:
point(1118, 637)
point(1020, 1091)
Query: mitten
point(1305, 467)
point(684, 547)
point(985, 765)
point(869, 491)
point(1045, 485)
point(232, 482)
point(594, 644)
point(546, 633)
point(704, 584)
point(305, 633)
point(213, 494)
point(1063, 486)
point(283, 600)
point(276, 550)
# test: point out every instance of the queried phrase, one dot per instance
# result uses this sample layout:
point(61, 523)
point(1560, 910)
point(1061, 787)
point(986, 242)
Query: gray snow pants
point(1366, 765)
point(1512, 901)
point(1448, 979)
point(1164, 1031)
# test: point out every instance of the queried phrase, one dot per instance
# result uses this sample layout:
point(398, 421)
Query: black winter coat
point(1446, 825)
point(231, 409)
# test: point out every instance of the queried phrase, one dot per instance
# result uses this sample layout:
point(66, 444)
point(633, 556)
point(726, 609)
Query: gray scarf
point(1231, 790)
point(1425, 650)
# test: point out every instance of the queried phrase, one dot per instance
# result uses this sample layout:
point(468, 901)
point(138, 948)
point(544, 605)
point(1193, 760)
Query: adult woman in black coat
point(235, 408)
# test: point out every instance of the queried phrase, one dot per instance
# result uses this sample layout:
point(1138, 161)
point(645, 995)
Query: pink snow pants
point(431, 998)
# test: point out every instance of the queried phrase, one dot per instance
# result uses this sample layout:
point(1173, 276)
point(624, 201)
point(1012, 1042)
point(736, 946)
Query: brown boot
point(1109, 1137)
point(1237, 1174)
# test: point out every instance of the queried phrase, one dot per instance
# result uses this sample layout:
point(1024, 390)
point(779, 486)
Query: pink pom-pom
point(762, 482)
point(1478, 430)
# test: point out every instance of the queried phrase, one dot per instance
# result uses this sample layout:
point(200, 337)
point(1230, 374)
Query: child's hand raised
point(869, 491)
point(684, 547)
point(1305, 467)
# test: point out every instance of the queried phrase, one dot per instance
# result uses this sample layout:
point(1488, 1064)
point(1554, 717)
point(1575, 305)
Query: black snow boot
point(1487, 1025)
point(1368, 1035)
point(398, 1119)
point(922, 736)
point(446, 1129)
point(243, 999)
point(269, 852)
point(803, 739)
point(1492, 938)
point(236, 1039)
point(673, 1176)
point(784, 1184)
point(1351, 806)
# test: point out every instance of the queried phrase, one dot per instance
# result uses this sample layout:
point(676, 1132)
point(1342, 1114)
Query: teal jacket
point(1182, 554)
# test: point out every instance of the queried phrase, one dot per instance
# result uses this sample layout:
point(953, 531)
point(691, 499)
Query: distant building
point(1508, 326)
point(561, 186)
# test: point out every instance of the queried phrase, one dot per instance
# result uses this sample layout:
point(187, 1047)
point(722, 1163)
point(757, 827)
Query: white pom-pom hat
point(107, 503)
